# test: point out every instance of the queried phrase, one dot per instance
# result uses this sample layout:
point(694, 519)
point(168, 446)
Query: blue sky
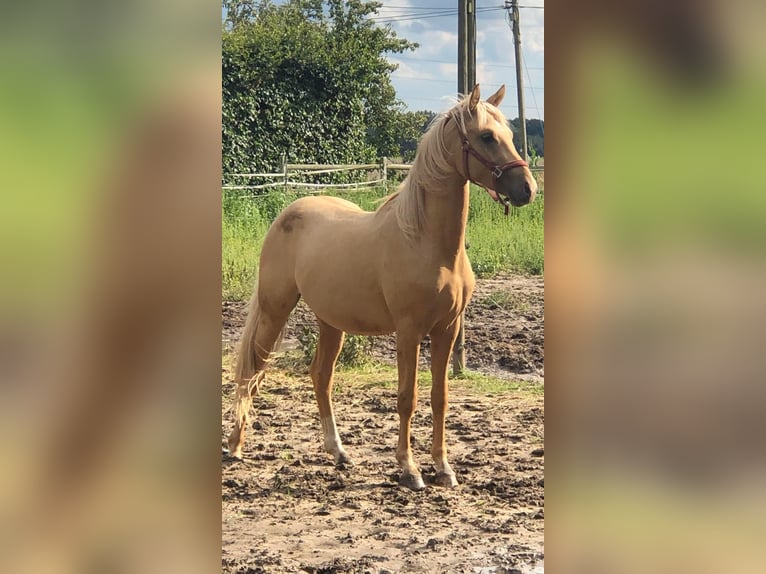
point(428, 76)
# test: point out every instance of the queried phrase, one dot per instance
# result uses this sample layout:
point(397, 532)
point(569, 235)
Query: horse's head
point(488, 156)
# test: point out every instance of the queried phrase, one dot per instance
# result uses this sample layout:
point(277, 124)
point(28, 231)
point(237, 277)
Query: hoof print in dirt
point(323, 511)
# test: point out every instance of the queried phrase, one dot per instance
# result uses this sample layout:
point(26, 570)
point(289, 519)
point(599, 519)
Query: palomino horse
point(402, 268)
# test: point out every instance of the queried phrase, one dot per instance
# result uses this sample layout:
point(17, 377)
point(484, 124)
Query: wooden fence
point(291, 172)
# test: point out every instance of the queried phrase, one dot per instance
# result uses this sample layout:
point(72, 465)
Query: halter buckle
point(497, 172)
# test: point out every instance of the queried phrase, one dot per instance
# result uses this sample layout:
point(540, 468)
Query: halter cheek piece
point(497, 170)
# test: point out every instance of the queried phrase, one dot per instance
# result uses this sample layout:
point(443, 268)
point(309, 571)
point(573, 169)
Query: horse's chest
point(446, 298)
point(452, 297)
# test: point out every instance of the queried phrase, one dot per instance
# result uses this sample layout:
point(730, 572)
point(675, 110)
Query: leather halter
point(497, 170)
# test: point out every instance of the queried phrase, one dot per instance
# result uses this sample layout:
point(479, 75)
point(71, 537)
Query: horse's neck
point(446, 214)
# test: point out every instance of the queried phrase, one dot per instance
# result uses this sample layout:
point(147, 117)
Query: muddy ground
point(287, 509)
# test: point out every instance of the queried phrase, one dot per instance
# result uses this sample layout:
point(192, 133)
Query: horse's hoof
point(412, 481)
point(236, 453)
point(343, 462)
point(446, 480)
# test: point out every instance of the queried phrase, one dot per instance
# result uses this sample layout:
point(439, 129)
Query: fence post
point(385, 171)
point(284, 168)
point(458, 350)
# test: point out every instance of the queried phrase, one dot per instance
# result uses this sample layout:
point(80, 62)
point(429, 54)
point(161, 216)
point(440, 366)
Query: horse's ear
point(497, 97)
point(473, 99)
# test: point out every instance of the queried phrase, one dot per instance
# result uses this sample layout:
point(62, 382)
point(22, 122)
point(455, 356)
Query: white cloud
point(429, 74)
point(487, 77)
point(436, 42)
point(448, 70)
point(406, 70)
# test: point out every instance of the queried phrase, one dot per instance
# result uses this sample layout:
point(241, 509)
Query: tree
point(239, 11)
point(535, 135)
point(308, 79)
point(413, 125)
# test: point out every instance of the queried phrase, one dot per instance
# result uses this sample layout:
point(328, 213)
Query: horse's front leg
point(442, 340)
point(407, 354)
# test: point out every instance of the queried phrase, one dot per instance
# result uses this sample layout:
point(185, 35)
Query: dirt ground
point(286, 508)
point(503, 328)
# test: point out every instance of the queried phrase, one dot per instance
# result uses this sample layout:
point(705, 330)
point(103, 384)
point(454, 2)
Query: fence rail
point(319, 169)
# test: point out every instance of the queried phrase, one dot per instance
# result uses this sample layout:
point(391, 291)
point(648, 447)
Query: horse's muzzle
point(522, 195)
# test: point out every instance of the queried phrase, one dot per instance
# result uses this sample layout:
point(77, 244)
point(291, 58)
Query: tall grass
point(496, 243)
point(242, 231)
point(499, 243)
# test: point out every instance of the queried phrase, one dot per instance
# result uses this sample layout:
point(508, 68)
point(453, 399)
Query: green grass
point(359, 368)
point(505, 300)
point(373, 374)
point(496, 243)
point(241, 247)
point(376, 374)
point(499, 243)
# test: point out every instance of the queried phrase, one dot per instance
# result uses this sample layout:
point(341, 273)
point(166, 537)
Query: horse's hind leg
point(262, 329)
point(322, 370)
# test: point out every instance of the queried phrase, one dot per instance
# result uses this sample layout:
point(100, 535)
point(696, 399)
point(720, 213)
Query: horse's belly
point(350, 310)
point(337, 272)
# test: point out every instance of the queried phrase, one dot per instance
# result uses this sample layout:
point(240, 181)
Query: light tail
point(252, 360)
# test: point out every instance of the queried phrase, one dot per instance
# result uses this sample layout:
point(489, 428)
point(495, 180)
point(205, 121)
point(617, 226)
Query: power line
point(406, 7)
point(402, 6)
point(511, 111)
point(414, 11)
point(411, 59)
point(403, 18)
point(512, 15)
point(532, 89)
point(411, 16)
point(420, 79)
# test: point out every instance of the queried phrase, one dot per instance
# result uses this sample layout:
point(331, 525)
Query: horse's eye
point(487, 137)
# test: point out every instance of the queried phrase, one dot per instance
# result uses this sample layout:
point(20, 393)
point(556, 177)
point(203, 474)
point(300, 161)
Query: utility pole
point(471, 41)
point(466, 46)
point(466, 79)
point(462, 46)
point(514, 7)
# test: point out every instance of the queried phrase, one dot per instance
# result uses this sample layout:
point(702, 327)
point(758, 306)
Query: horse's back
point(320, 202)
point(316, 230)
point(304, 215)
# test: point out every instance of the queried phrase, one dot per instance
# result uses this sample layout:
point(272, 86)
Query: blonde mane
point(433, 164)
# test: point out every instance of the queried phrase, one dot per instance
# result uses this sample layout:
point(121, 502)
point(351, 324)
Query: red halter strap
point(497, 170)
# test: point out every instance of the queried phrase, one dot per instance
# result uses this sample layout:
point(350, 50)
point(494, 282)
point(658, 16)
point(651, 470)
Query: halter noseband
point(497, 170)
